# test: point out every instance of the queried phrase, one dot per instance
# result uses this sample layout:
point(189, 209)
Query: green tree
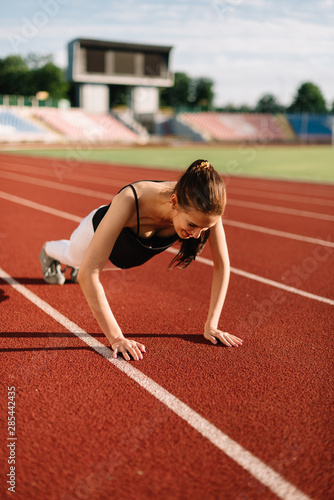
point(228, 108)
point(50, 78)
point(231, 108)
point(119, 95)
point(19, 76)
point(188, 93)
point(268, 104)
point(178, 95)
point(14, 76)
point(204, 94)
point(309, 99)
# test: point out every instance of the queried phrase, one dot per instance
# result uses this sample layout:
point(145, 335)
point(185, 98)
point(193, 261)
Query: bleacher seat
point(237, 126)
point(313, 127)
point(76, 124)
point(11, 122)
point(16, 126)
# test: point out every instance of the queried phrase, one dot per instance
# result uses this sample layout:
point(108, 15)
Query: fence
point(31, 101)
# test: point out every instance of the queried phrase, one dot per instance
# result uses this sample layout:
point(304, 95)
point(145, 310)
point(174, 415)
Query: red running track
point(248, 423)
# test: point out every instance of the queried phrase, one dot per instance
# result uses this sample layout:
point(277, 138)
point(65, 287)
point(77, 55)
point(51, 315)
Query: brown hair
point(202, 188)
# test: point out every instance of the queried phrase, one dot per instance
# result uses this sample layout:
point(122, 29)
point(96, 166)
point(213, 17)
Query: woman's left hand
point(213, 334)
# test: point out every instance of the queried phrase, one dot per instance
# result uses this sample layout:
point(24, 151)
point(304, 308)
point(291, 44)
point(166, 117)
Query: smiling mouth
point(187, 234)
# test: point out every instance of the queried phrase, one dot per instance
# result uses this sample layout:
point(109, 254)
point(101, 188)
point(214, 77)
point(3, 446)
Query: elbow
point(221, 261)
point(222, 265)
point(87, 282)
point(84, 277)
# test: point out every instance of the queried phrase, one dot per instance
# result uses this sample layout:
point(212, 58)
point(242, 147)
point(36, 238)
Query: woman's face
point(191, 223)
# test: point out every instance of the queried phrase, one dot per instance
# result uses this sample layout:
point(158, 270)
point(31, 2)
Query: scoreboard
point(117, 63)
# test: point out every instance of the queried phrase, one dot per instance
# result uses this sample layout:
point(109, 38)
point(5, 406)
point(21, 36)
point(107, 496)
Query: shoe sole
point(46, 262)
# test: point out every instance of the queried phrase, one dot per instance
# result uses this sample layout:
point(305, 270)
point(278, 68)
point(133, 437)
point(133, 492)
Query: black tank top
point(130, 250)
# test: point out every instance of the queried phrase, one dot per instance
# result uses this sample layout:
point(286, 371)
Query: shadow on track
point(3, 295)
point(55, 335)
point(35, 281)
point(26, 349)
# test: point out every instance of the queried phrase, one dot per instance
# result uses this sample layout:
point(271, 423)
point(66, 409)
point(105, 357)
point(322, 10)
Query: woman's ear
point(173, 201)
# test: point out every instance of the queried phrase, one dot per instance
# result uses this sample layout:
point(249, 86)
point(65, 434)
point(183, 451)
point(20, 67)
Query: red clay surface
point(86, 431)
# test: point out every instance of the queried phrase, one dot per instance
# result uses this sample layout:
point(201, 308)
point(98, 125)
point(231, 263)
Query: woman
point(144, 219)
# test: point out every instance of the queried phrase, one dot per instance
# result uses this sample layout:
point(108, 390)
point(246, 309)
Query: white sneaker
point(51, 269)
point(74, 275)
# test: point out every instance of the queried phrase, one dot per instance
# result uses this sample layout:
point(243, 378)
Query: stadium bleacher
point(44, 124)
point(76, 124)
point(17, 128)
point(11, 122)
point(312, 127)
point(219, 126)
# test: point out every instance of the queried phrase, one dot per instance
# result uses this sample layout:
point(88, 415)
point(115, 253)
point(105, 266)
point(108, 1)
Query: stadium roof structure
point(123, 45)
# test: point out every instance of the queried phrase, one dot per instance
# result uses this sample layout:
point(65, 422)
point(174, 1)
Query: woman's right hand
point(126, 347)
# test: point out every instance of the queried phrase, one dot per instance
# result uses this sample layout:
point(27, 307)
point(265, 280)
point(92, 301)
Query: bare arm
point(220, 280)
point(116, 218)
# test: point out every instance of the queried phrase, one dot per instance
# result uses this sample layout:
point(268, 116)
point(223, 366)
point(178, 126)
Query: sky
point(247, 47)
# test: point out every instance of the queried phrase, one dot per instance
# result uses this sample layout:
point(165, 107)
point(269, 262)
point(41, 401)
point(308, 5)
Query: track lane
point(251, 216)
point(288, 451)
point(294, 224)
point(68, 202)
point(62, 169)
point(141, 301)
point(301, 265)
point(302, 211)
point(294, 263)
point(270, 196)
point(47, 401)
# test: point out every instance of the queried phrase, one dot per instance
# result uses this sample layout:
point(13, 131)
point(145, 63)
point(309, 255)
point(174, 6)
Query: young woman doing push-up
point(144, 219)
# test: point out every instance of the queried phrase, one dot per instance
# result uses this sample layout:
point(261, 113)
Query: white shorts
point(71, 252)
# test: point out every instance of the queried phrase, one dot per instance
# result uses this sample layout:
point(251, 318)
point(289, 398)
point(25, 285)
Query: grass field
point(312, 163)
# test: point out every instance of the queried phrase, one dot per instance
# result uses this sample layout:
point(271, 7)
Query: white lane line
point(258, 469)
point(65, 174)
point(281, 196)
point(286, 288)
point(281, 210)
point(240, 272)
point(57, 185)
point(65, 171)
point(309, 187)
point(264, 281)
point(275, 232)
point(41, 208)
